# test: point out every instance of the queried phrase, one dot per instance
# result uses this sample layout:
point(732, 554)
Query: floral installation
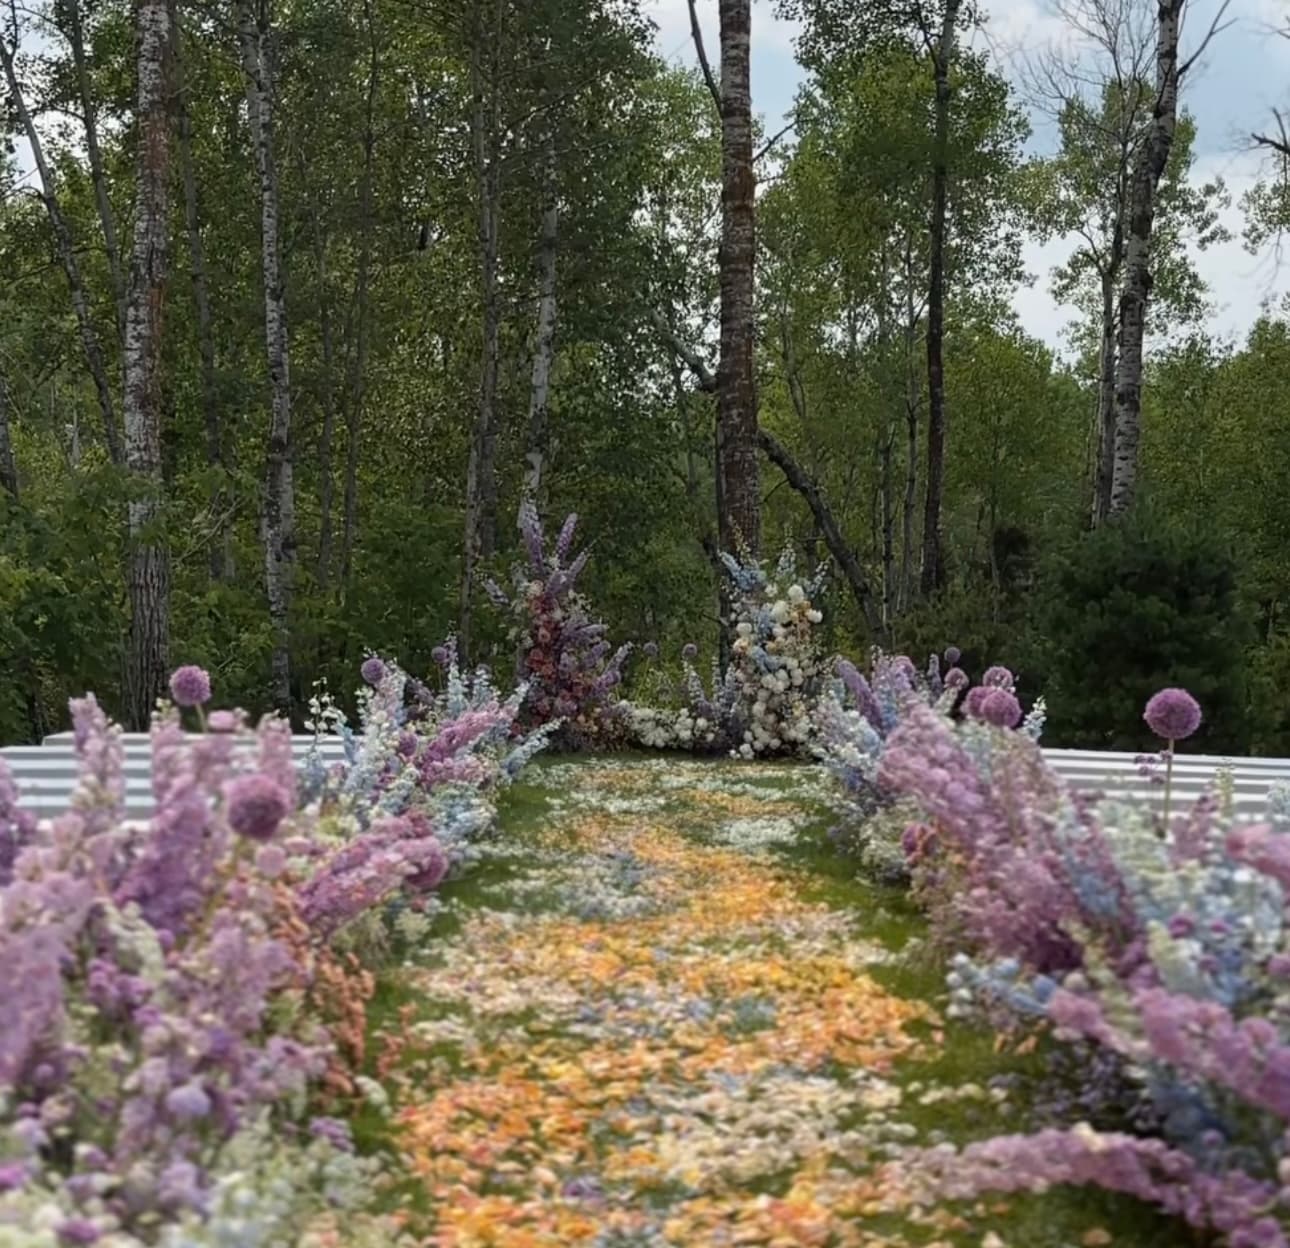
point(776, 665)
point(1162, 941)
point(178, 1003)
point(686, 714)
point(561, 652)
point(856, 718)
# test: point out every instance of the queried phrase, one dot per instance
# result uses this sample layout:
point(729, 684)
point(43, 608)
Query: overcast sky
point(1244, 75)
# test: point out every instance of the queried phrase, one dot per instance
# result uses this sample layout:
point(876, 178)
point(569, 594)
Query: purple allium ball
point(651, 649)
point(973, 702)
point(997, 677)
point(440, 655)
point(78, 1231)
point(256, 805)
point(372, 671)
point(1172, 714)
point(222, 721)
point(690, 651)
point(956, 678)
point(952, 656)
point(190, 686)
point(1001, 708)
point(188, 1101)
point(432, 874)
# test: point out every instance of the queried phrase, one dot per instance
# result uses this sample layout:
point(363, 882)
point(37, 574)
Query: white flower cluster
point(777, 665)
point(669, 728)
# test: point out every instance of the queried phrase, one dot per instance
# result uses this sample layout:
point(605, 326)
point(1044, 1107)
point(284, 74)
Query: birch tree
point(66, 250)
point(148, 558)
point(1148, 171)
point(940, 49)
point(544, 336)
point(221, 556)
point(8, 468)
point(72, 22)
point(481, 468)
point(278, 515)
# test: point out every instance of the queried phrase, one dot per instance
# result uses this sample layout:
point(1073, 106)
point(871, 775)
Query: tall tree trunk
point(358, 377)
point(148, 561)
point(933, 567)
point(278, 520)
point(220, 554)
point(67, 257)
point(8, 468)
point(326, 485)
point(481, 468)
point(913, 402)
point(89, 115)
point(1105, 427)
point(1147, 173)
point(544, 340)
point(738, 466)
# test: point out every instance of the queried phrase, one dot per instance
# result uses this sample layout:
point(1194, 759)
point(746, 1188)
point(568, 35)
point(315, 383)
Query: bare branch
point(702, 54)
point(765, 147)
point(1216, 27)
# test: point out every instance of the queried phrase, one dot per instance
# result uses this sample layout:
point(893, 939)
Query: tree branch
point(693, 360)
point(703, 57)
point(842, 553)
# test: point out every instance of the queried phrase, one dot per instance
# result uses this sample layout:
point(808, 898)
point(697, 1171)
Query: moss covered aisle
point(651, 1018)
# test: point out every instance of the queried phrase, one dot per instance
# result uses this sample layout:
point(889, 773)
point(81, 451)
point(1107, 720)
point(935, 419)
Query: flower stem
point(1169, 784)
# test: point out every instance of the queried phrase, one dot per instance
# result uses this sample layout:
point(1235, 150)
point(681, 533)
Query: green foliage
point(1130, 609)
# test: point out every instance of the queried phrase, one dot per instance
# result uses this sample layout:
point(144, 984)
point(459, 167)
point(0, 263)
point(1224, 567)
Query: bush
point(1128, 609)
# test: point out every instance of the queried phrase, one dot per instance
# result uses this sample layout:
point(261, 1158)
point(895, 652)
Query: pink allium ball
point(431, 874)
point(372, 671)
point(1173, 714)
point(997, 677)
point(1001, 708)
point(255, 805)
point(190, 686)
point(222, 721)
point(975, 697)
point(956, 678)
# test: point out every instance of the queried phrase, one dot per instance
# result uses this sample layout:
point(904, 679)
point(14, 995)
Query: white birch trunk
point(1136, 292)
point(148, 559)
point(8, 469)
point(221, 555)
point(94, 153)
point(544, 342)
point(278, 518)
point(67, 257)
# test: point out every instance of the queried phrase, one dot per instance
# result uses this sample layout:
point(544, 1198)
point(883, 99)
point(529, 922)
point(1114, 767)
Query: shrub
point(1128, 609)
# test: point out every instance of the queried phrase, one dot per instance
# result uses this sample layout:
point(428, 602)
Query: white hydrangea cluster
point(670, 728)
point(777, 665)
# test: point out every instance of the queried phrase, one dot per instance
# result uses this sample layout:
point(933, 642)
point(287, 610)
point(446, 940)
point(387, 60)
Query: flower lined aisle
point(652, 1028)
